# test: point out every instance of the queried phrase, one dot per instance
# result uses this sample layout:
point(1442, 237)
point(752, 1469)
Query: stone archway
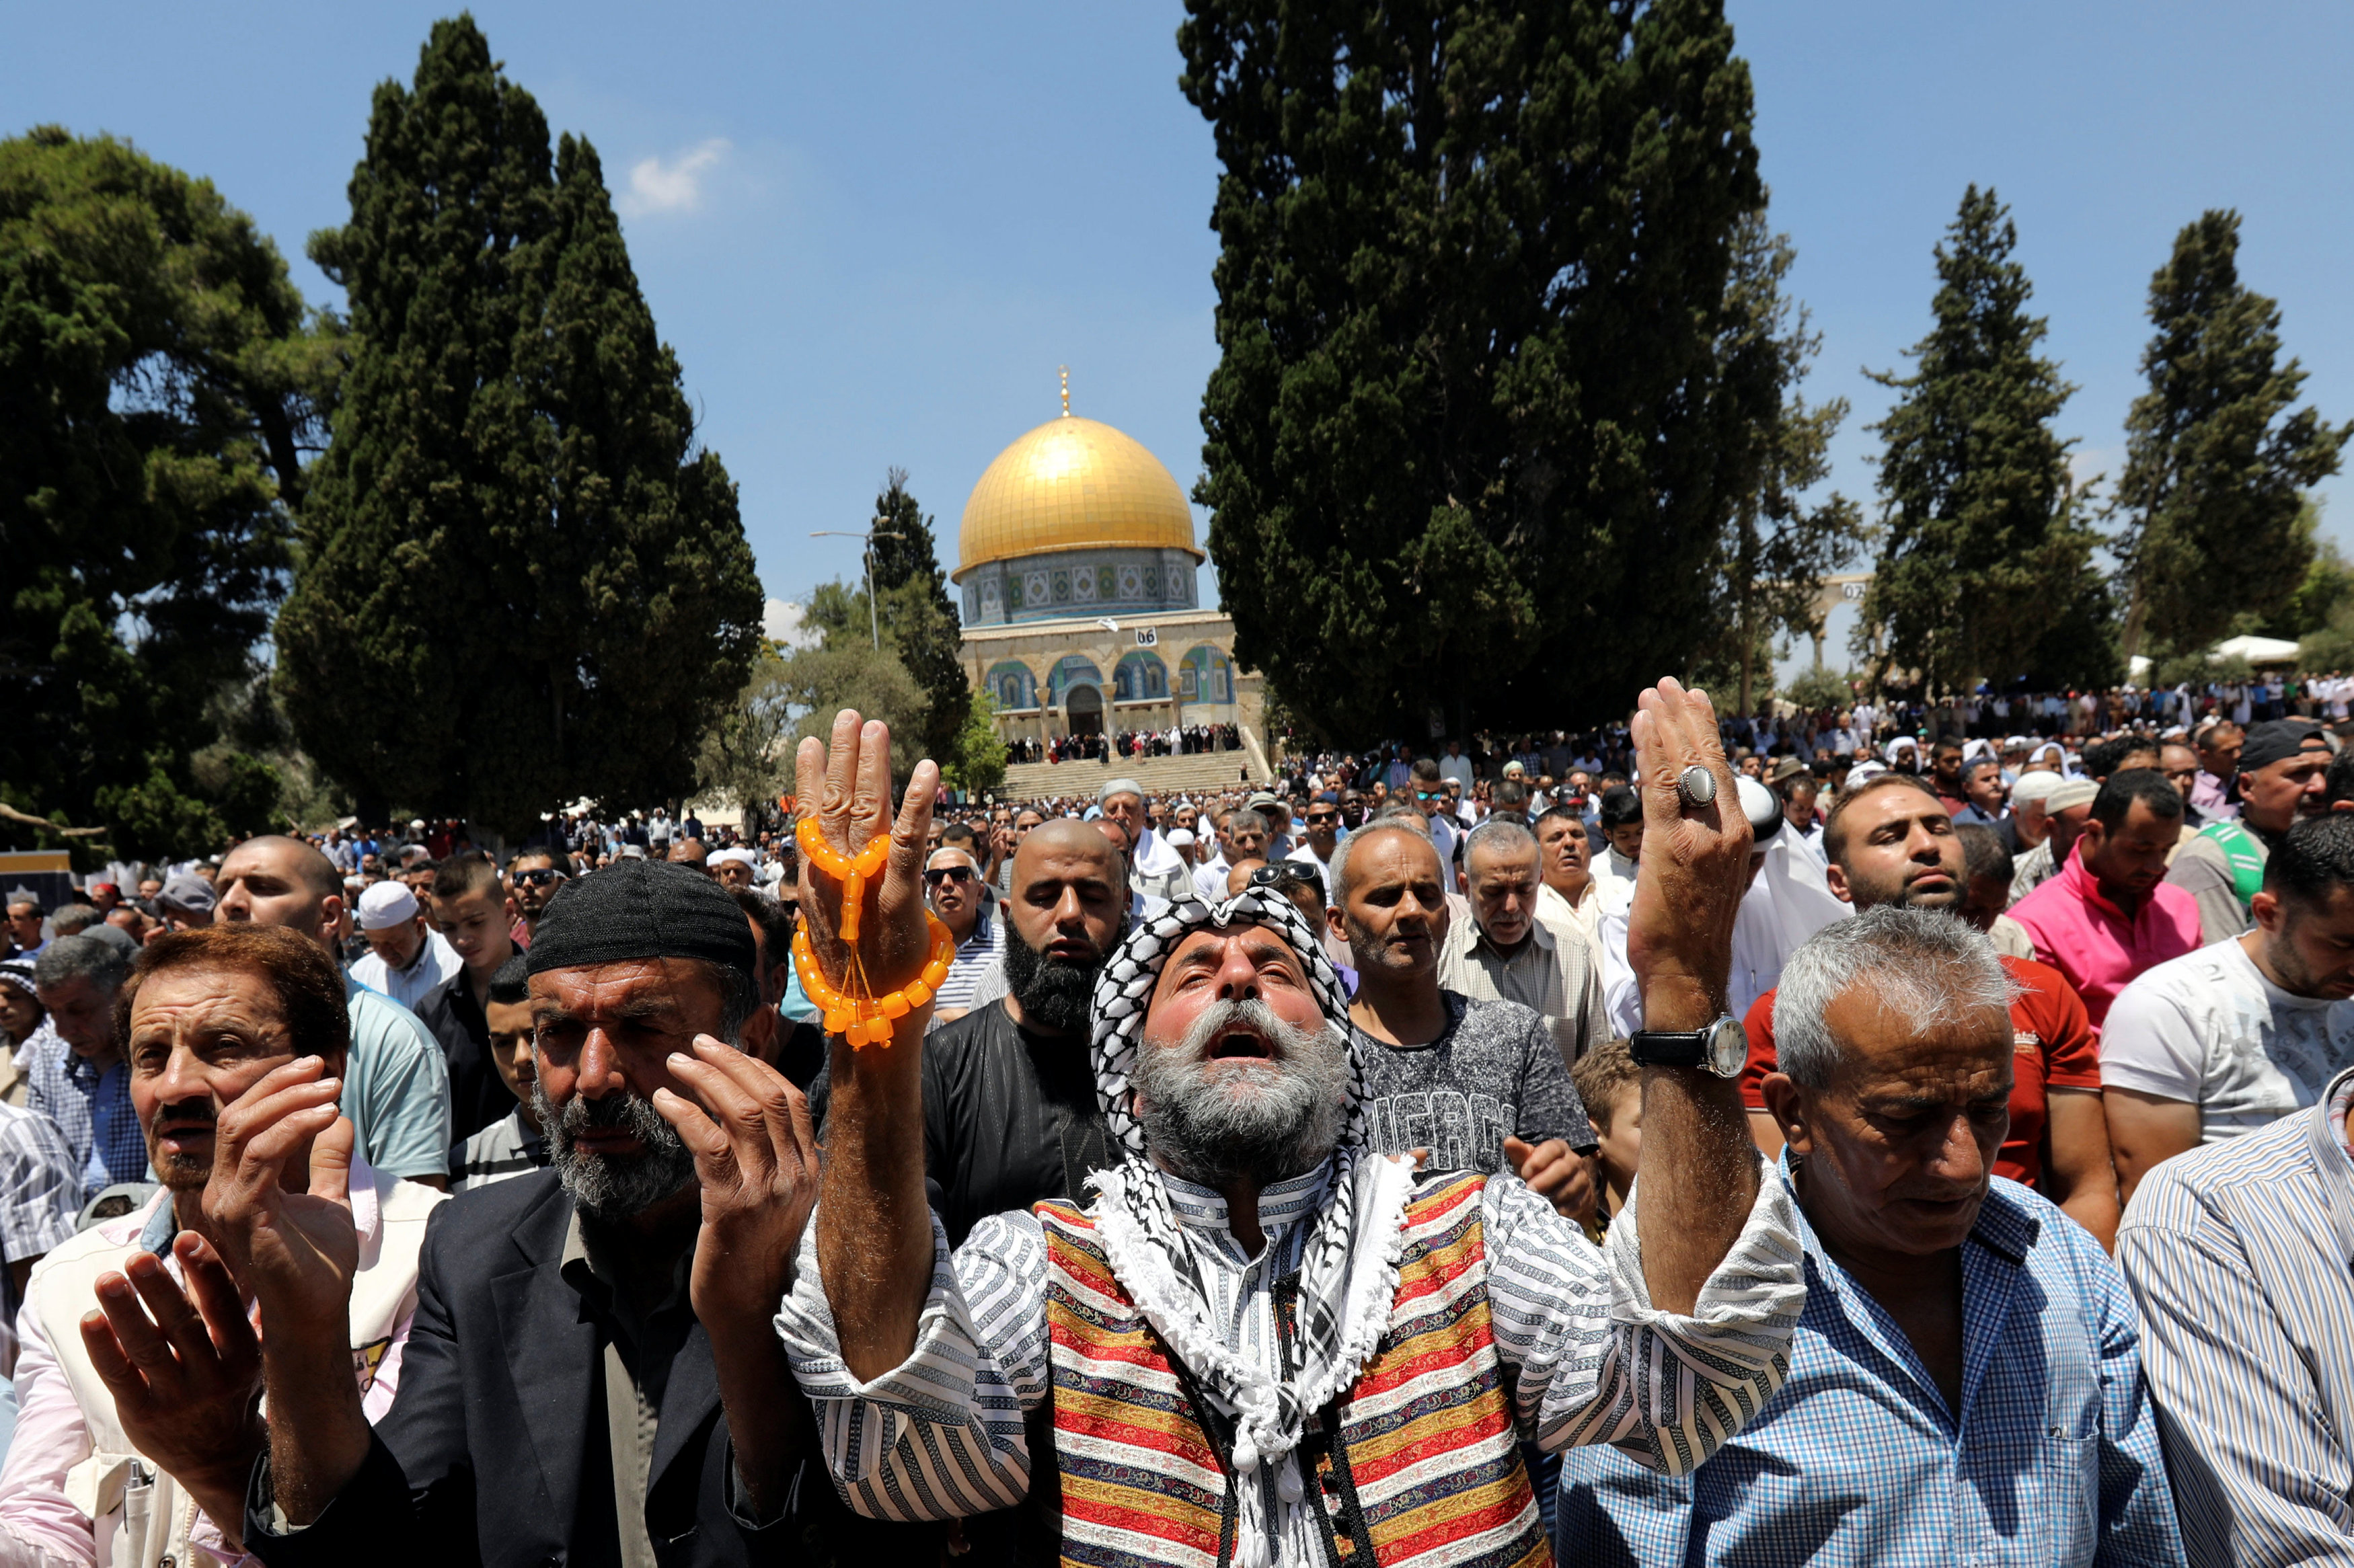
point(1085, 709)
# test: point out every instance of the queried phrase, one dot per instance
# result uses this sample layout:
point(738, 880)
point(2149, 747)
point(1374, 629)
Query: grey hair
point(70, 959)
point(1348, 850)
point(1925, 965)
point(1499, 836)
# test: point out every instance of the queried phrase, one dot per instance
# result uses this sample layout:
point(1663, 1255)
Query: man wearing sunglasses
point(533, 878)
point(1321, 841)
point(966, 906)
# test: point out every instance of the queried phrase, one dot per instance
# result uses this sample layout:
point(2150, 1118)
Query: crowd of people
point(1177, 740)
point(1254, 1176)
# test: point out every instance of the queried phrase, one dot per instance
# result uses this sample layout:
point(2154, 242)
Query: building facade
point(1079, 578)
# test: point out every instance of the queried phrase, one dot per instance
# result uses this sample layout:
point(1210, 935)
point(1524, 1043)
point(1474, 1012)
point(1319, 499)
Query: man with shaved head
point(1009, 1102)
point(397, 1083)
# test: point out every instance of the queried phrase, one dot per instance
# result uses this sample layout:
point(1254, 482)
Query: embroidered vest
point(2244, 856)
point(1425, 1467)
point(140, 1516)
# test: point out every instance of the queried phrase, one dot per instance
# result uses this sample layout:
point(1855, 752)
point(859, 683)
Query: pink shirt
point(2078, 931)
point(38, 1528)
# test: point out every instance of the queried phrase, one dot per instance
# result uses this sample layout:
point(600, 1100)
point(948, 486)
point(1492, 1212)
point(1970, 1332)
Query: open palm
point(297, 1251)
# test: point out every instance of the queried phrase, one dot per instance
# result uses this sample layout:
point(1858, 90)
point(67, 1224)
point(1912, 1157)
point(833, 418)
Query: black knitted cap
point(641, 909)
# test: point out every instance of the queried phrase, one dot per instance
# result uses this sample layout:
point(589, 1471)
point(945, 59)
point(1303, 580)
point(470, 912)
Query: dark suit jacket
point(494, 1451)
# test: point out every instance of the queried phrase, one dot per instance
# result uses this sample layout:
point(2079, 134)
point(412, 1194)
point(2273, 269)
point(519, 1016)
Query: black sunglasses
point(539, 878)
point(955, 873)
point(1328, 814)
point(1288, 871)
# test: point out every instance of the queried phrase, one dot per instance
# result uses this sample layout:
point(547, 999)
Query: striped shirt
point(2051, 1458)
point(41, 1192)
point(2239, 1256)
point(942, 1434)
point(975, 956)
point(508, 1147)
point(92, 1109)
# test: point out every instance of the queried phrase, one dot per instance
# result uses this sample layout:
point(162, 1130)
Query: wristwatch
point(1720, 1048)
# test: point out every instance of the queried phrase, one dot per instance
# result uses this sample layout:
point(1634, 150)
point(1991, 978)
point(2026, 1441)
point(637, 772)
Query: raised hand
point(184, 1368)
point(847, 787)
point(1695, 867)
point(755, 1162)
point(296, 1251)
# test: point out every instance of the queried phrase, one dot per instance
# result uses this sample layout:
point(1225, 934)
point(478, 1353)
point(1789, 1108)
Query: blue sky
point(874, 231)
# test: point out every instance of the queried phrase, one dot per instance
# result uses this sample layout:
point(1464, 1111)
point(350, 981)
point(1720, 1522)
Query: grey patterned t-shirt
point(1495, 1071)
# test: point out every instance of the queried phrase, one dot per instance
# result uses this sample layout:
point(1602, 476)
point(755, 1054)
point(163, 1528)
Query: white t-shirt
point(2208, 1029)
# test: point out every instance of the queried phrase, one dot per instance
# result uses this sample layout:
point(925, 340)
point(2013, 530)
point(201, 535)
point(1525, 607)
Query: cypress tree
point(2215, 462)
point(919, 619)
point(1471, 271)
point(1981, 550)
point(521, 580)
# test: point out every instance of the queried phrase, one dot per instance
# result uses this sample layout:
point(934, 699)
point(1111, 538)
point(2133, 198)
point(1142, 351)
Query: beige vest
point(139, 1516)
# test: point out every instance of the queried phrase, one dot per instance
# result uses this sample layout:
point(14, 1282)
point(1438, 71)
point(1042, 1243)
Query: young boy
point(1612, 1088)
point(472, 909)
point(515, 1143)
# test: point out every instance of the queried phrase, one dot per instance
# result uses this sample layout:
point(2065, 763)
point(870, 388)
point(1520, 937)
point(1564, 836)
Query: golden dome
point(1073, 484)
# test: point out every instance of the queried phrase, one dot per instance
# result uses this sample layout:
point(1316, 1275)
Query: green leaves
point(1472, 264)
point(523, 581)
point(160, 381)
point(1985, 568)
point(2212, 501)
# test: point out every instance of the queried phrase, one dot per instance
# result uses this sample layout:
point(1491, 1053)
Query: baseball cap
point(2274, 739)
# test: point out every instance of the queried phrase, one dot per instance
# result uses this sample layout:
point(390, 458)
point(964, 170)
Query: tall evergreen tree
point(1982, 548)
point(2215, 462)
point(521, 578)
point(160, 384)
point(919, 619)
point(1471, 269)
point(1774, 447)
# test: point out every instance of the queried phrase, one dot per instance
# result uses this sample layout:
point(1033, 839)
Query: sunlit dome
point(1073, 484)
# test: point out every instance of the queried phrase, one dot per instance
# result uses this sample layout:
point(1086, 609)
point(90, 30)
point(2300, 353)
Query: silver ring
point(1697, 785)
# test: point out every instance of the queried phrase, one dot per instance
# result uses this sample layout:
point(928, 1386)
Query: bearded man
point(1261, 1340)
point(592, 1370)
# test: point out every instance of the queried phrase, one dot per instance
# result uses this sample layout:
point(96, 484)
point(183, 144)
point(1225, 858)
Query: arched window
point(1207, 675)
point(1071, 671)
point(1011, 686)
point(1139, 677)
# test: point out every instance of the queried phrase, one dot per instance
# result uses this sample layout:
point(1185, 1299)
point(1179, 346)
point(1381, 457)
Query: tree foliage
point(522, 579)
point(1982, 548)
point(981, 753)
point(815, 684)
point(160, 382)
point(1774, 547)
point(746, 754)
point(1470, 281)
point(2216, 462)
point(919, 618)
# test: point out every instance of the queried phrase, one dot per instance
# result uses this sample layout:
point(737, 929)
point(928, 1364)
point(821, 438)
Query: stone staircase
point(1201, 774)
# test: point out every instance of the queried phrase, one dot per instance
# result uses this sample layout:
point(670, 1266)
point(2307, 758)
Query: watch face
point(1727, 1047)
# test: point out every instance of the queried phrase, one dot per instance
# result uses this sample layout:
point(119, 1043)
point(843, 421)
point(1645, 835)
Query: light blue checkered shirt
point(2053, 1457)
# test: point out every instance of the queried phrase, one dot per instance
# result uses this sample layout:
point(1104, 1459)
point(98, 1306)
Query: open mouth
point(1241, 1044)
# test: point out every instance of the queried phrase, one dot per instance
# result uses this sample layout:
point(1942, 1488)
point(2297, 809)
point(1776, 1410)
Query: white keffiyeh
point(1348, 1270)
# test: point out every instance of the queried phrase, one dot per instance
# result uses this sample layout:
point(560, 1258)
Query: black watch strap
point(1669, 1047)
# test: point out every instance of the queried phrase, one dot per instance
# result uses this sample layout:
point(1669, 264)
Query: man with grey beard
point(1212, 1353)
point(592, 1368)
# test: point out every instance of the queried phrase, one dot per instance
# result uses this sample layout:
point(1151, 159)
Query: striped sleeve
point(940, 1435)
point(2261, 1474)
point(1597, 1363)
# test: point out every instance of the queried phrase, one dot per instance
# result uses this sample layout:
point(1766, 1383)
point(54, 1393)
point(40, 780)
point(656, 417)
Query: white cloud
point(782, 623)
point(675, 186)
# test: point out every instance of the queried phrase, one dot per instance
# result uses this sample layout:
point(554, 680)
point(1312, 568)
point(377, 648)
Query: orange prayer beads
point(862, 1018)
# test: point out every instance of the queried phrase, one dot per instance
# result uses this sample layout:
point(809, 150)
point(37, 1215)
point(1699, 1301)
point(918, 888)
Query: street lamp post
point(874, 622)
